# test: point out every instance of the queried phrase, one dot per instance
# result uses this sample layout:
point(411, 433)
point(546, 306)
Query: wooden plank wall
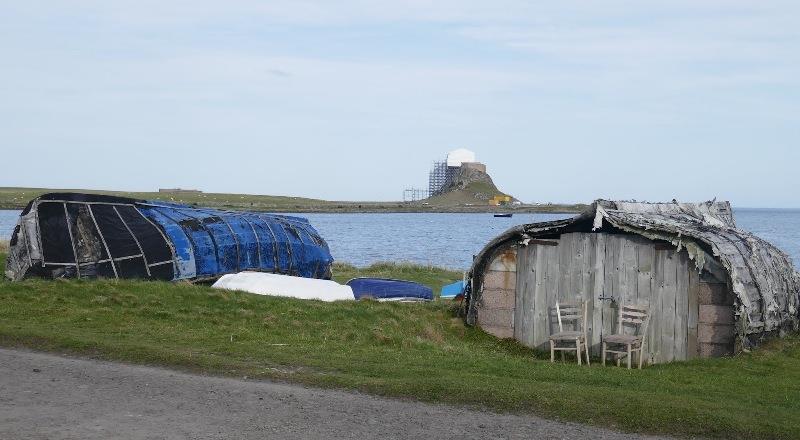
point(599, 267)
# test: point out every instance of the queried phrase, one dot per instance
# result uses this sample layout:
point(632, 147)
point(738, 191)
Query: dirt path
point(44, 396)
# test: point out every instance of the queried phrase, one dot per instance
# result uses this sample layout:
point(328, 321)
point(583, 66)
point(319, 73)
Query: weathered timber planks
point(611, 289)
point(630, 269)
point(681, 305)
point(654, 333)
point(547, 300)
point(692, 349)
point(644, 277)
point(593, 266)
point(598, 290)
point(668, 306)
point(521, 291)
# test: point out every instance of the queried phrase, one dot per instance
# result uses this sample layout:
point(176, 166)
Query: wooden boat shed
point(711, 289)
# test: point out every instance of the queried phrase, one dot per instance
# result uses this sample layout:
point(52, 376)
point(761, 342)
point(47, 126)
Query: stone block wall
point(715, 327)
point(496, 305)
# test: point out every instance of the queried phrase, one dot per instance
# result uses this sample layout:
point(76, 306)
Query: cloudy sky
point(564, 101)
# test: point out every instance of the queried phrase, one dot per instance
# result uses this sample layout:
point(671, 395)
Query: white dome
point(456, 157)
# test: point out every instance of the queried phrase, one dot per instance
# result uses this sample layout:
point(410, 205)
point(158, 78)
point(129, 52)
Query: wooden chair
point(566, 312)
point(629, 316)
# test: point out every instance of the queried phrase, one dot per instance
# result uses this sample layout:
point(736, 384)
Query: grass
point(419, 351)
point(17, 198)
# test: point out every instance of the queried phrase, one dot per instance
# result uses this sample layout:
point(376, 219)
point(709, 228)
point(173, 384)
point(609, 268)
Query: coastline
point(17, 198)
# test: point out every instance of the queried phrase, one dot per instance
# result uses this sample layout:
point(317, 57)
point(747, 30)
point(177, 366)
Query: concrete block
point(493, 299)
point(714, 294)
point(505, 261)
point(715, 350)
point(715, 314)
point(496, 318)
point(500, 280)
point(716, 334)
point(500, 332)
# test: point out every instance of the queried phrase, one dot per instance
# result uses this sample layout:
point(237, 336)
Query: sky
point(564, 101)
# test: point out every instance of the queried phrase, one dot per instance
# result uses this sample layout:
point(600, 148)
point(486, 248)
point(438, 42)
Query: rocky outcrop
point(466, 176)
point(475, 181)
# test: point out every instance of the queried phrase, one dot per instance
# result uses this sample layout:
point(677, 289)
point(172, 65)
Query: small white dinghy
point(272, 284)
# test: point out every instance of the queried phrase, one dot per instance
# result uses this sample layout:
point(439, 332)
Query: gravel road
point(44, 396)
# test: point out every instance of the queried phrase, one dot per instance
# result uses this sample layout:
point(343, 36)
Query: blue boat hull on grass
point(452, 290)
point(384, 289)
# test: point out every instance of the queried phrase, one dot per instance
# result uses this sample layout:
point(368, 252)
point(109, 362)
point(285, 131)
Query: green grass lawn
point(419, 351)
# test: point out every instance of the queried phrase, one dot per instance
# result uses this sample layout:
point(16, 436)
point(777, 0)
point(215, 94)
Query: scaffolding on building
point(437, 179)
point(443, 173)
point(415, 194)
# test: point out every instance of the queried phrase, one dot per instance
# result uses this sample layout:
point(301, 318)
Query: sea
point(451, 240)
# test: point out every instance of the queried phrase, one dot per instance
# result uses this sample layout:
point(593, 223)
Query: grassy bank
point(17, 198)
point(420, 351)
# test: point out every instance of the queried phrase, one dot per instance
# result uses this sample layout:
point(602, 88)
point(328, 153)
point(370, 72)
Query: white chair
point(574, 312)
point(629, 316)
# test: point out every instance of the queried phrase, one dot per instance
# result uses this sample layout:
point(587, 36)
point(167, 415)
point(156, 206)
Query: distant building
point(474, 166)
point(442, 172)
point(458, 156)
point(180, 190)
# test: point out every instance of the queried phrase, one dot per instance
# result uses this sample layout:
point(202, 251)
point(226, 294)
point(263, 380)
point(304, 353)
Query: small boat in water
point(505, 215)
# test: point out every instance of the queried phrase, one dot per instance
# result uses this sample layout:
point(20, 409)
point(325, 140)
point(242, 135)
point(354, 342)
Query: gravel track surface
point(45, 396)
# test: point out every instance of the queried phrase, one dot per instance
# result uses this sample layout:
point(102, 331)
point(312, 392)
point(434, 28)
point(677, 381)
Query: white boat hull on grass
point(272, 284)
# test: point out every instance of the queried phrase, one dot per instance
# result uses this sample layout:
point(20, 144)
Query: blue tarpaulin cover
point(382, 288)
point(210, 242)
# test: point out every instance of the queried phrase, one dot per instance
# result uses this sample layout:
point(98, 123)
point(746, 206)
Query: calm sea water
point(450, 240)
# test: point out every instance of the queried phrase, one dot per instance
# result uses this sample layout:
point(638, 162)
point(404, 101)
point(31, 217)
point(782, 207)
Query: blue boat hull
point(452, 290)
point(387, 289)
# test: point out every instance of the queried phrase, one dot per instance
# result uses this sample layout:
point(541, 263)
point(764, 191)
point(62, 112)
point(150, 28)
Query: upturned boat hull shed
point(86, 235)
point(711, 289)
